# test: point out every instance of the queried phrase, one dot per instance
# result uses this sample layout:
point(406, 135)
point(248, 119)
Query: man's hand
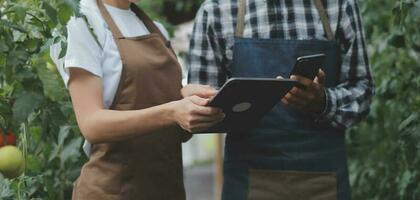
point(203, 91)
point(308, 99)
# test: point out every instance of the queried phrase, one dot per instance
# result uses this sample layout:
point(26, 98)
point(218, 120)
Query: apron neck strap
point(108, 19)
point(324, 19)
point(240, 24)
point(240, 19)
point(148, 22)
point(150, 25)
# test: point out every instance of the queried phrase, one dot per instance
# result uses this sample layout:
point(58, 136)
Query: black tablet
point(246, 100)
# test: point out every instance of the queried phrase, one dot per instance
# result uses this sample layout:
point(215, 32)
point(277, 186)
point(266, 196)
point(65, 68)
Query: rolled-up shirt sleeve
point(349, 102)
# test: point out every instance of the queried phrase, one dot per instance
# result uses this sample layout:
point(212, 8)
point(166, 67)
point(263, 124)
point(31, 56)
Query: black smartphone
point(308, 66)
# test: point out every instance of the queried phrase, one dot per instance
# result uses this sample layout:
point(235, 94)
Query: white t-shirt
point(103, 61)
point(83, 51)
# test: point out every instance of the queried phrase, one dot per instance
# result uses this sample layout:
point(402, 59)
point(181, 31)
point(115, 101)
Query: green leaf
point(50, 11)
point(32, 44)
point(25, 104)
point(3, 59)
point(5, 113)
point(404, 181)
point(33, 163)
point(65, 13)
point(5, 191)
point(20, 12)
point(397, 39)
point(47, 45)
point(415, 10)
point(412, 118)
point(71, 150)
point(52, 84)
point(12, 26)
point(54, 152)
point(63, 134)
point(3, 46)
point(74, 5)
point(63, 50)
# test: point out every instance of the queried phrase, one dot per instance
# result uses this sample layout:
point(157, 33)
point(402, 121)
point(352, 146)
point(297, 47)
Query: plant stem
point(24, 147)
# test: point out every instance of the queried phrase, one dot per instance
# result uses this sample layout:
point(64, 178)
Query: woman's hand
point(203, 91)
point(193, 115)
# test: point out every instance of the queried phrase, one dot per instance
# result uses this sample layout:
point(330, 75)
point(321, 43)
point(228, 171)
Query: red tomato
point(9, 138)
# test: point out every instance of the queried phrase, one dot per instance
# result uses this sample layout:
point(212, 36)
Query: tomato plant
point(34, 103)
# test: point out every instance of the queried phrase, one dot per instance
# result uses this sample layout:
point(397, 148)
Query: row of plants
point(385, 149)
point(34, 104)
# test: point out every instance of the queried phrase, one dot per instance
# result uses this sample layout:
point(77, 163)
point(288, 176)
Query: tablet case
point(246, 100)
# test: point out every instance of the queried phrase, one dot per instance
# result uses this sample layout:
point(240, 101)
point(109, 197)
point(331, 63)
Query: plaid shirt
point(213, 39)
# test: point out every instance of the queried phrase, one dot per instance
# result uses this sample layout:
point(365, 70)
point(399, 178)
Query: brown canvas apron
point(146, 167)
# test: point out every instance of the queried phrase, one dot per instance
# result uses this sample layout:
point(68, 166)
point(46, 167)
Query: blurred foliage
point(33, 101)
point(171, 12)
point(385, 149)
point(164, 9)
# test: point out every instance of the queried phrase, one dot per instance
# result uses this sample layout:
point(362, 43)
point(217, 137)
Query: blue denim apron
point(288, 155)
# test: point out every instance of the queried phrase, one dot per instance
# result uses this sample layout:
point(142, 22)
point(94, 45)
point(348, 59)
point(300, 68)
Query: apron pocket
point(292, 185)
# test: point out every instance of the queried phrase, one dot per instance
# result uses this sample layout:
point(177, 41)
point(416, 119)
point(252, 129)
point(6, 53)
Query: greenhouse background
point(384, 150)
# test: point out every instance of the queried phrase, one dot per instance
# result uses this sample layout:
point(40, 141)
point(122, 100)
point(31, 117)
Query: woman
point(125, 82)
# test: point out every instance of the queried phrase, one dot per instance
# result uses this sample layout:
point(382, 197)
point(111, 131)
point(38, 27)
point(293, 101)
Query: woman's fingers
point(204, 126)
point(203, 91)
point(202, 108)
point(199, 123)
point(209, 118)
point(198, 100)
point(209, 111)
point(206, 91)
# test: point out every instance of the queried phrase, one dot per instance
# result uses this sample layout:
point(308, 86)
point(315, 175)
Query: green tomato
point(12, 162)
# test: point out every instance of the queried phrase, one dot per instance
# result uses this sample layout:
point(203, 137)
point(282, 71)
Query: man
point(298, 150)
